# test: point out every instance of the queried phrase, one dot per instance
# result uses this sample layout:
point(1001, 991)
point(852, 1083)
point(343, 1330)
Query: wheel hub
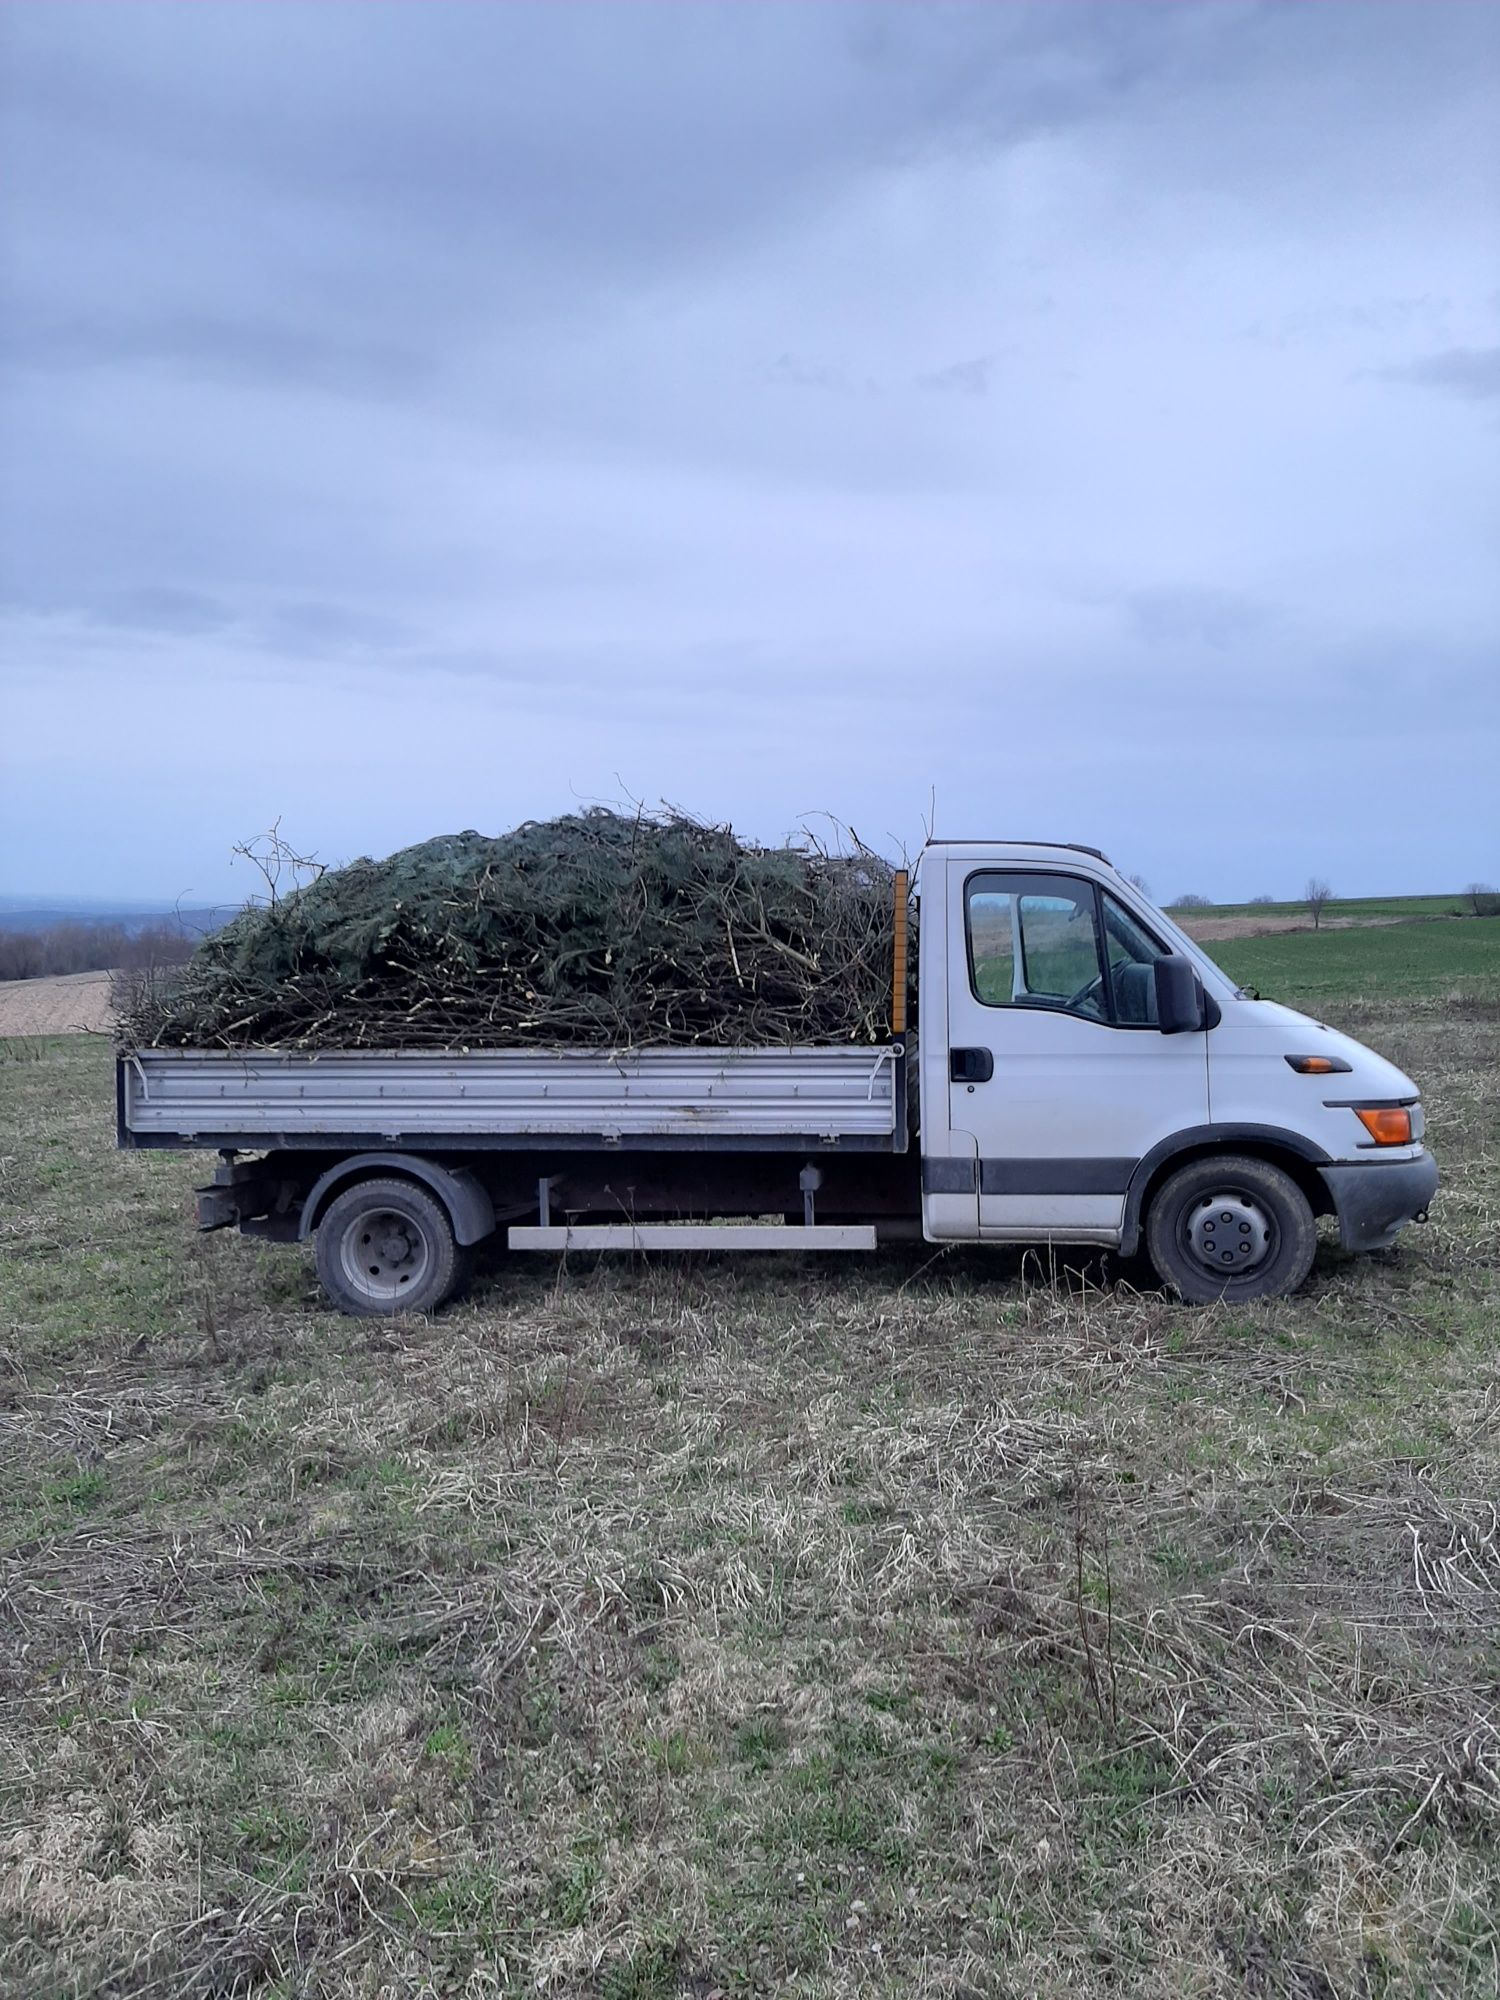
point(384, 1255)
point(1229, 1232)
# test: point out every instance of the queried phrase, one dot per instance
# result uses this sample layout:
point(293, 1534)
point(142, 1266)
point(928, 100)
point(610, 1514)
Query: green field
point(1428, 964)
point(940, 1626)
point(1358, 909)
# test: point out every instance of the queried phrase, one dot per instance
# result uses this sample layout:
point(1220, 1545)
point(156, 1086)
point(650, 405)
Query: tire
point(387, 1246)
point(1230, 1227)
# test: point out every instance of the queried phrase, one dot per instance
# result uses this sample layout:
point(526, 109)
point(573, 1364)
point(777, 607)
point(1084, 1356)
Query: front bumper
point(1375, 1199)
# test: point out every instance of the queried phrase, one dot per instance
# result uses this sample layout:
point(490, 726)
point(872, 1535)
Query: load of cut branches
point(596, 930)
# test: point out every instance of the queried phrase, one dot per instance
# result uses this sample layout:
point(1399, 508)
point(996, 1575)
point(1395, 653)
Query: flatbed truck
point(1078, 1071)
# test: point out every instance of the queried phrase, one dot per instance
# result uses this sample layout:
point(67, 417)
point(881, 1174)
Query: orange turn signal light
point(1387, 1124)
point(1319, 1065)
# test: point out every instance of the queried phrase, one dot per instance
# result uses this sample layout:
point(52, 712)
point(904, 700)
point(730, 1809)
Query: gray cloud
point(419, 416)
point(164, 608)
point(1196, 619)
point(188, 345)
point(962, 378)
point(793, 371)
point(1470, 372)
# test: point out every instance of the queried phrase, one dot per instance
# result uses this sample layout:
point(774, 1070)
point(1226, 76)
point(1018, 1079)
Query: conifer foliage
point(596, 930)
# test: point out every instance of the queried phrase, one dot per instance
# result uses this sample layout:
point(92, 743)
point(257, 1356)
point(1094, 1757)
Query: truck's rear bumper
point(1375, 1199)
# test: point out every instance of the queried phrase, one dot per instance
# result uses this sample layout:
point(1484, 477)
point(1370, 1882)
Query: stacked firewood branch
point(596, 930)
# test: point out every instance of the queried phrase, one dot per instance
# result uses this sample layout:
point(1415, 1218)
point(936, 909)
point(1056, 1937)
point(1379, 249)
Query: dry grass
point(1209, 929)
point(941, 1627)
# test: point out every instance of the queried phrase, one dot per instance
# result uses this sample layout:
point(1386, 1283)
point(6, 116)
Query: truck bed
point(850, 1098)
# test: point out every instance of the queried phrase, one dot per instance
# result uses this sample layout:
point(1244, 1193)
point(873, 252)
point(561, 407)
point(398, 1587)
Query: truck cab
point(1089, 1075)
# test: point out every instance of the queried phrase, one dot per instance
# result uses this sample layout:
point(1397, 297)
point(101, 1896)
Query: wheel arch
point(470, 1210)
point(1298, 1157)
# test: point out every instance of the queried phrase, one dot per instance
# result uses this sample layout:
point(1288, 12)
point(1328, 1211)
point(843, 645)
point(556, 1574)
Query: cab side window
point(1035, 941)
point(992, 945)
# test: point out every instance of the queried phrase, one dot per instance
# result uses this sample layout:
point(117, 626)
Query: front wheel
point(1231, 1228)
point(387, 1246)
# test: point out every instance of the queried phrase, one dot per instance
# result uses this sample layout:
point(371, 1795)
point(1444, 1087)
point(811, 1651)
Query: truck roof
point(1041, 846)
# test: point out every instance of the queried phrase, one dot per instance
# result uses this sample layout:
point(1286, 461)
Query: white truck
point(1079, 1071)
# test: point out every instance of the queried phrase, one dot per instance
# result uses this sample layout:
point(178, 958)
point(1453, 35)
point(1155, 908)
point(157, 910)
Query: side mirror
point(1180, 1000)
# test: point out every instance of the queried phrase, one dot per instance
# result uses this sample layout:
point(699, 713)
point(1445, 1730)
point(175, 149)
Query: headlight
point(1387, 1124)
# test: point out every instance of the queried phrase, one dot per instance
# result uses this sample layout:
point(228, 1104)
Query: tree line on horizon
point(1482, 899)
point(63, 948)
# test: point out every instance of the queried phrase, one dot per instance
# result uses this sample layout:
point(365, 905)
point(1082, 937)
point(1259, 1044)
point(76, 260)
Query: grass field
point(939, 1626)
point(1429, 966)
point(1358, 909)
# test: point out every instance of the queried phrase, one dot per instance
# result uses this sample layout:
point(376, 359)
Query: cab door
point(1056, 1065)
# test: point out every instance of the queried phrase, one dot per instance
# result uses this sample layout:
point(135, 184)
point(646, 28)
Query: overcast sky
point(421, 416)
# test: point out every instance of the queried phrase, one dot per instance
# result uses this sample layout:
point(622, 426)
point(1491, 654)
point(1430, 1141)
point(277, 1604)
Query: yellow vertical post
point(898, 957)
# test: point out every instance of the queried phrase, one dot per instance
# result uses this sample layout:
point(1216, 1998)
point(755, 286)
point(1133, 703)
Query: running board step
point(694, 1236)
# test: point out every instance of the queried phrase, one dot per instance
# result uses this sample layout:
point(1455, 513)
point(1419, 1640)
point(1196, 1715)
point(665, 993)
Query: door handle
point(970, 1065)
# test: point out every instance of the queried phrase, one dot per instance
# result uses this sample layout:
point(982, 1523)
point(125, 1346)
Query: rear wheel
point(387, 1246)
point(1231, 1228)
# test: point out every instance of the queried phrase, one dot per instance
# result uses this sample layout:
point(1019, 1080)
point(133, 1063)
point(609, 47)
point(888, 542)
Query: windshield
point(1162, 922)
